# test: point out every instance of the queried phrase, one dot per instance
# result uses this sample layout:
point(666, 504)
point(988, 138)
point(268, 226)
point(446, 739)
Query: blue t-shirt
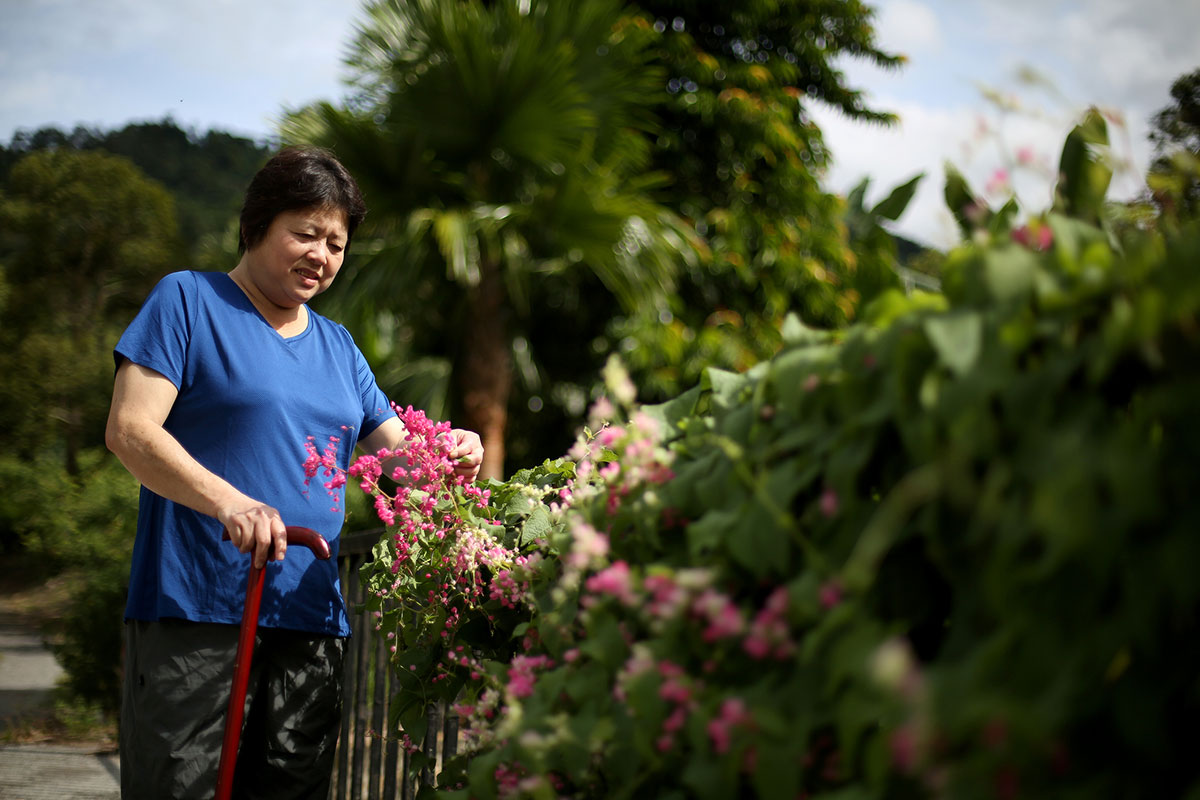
point(248, 399)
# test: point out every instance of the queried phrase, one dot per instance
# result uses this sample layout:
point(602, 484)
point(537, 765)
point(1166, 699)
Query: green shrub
point(946, 552)
point(62, 520)
point(82, 526)
point(89, 636)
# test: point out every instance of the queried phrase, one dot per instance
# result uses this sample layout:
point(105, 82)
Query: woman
point(221, 380)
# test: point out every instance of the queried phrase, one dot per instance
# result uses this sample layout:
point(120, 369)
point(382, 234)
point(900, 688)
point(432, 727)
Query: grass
point(64, 721)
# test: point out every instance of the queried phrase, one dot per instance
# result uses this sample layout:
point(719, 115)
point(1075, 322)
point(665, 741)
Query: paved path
point(28, 673)
point(57, 772)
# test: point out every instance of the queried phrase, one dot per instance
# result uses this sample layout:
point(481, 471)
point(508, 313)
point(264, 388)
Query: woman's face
point(299, 256)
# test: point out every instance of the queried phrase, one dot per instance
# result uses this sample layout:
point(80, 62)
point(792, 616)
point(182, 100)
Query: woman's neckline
point(286, 331)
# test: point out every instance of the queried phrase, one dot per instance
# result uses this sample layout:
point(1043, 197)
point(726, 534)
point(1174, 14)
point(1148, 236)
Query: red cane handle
point(309, 538)
point(305, 537)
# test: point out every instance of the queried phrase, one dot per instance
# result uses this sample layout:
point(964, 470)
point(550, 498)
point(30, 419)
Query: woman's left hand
point(467, 453)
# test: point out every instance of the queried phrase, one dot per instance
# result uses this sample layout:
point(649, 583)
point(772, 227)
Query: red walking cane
point(245, 651)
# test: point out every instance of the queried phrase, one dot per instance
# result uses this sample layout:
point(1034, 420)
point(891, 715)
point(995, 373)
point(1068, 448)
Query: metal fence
point(370, 763)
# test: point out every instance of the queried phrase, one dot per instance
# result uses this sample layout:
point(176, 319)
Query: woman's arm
point(142, 398)
point(467, 452)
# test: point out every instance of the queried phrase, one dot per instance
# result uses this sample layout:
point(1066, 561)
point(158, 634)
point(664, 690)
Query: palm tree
point(499, 145)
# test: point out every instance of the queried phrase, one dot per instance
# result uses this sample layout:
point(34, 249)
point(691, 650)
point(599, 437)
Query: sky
point(235, 65)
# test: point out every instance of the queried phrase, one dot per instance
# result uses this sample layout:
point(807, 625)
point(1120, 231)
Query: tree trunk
point(485, 381)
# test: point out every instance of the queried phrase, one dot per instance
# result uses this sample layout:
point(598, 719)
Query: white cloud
point(1120, 56)
point(213, 63)
point(908, 26)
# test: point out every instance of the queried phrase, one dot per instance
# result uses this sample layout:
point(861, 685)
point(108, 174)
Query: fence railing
point(370, 763)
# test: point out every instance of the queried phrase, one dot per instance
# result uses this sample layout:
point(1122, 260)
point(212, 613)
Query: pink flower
point(675, 691)
point(609, 435)
point(830, 594)
point(998, 183)
point(724, 617)
point(602, 410)
point(676, 720)
point(719, 733)
point(732, 714)
point(903, 746)
point(769, 634)
point(667, 598)
point(614, 581)
point(1036, 236)
point(383, 509)
point(521, 673)
point(588, 544)
point(829, 502)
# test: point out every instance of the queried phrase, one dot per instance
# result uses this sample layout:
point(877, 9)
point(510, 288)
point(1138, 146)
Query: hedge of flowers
point(949, 552)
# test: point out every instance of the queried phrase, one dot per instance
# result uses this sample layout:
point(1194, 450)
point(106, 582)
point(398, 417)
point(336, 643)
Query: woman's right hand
point(256, 528)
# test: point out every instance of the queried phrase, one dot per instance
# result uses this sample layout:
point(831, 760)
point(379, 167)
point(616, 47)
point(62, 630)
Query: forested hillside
point(206, 172)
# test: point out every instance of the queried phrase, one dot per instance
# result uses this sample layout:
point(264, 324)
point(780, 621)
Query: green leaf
point(855, 200)
point(757, 543)
point(537, 526)
point(604, 642)
point(1000, 225)
point(458, 246)
point(895, 203)
point(725, 386)
point(706, 534)
point(969, 211)
point(775, 774)
point(670, 413)
point(796, 334)
point(957, 337)
point(1084, 172)
point(1010, 272)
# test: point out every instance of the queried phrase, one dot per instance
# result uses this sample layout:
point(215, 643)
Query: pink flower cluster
point(769, 635)
point(471, 550)
point(513, 781)
point(641, 460)
point(732, 715)
point(766, 635)
point(678, 691)
point(667, 598)
point(521, 673)
point(433, 545)
point(508, 590)
point(508, 779)
point(723, 618)
point(588, 545)
point(614, 581)
point(1035, 236)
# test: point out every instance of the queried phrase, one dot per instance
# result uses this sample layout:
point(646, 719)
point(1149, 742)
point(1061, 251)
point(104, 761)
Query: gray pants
point(177, 682)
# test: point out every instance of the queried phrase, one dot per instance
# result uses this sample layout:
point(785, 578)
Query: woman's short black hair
point(298, 177)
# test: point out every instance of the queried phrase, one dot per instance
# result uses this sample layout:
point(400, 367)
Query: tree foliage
point(205, 173)
point(1175, 173)
point(501, 148)
point(85, 236)
point(745, 162)
point(533, 139)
